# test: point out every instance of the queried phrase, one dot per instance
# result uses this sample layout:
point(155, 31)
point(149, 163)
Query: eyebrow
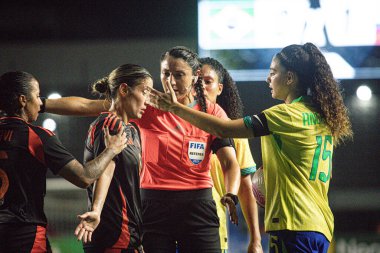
point(179, 71)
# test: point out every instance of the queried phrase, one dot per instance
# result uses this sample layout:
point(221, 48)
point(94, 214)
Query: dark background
point(355, 180)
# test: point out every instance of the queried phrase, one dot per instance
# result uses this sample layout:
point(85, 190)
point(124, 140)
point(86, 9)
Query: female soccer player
point(26, 153)
point(297, 140)
point(115, 197)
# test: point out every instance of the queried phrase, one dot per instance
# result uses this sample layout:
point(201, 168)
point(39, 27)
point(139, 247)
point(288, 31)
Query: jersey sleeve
point(244, 157)
point(95, 140)
point(277, 118)
point(56, 155)
point(216, 110)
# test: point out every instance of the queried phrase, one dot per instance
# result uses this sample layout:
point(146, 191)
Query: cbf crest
point(196, 151)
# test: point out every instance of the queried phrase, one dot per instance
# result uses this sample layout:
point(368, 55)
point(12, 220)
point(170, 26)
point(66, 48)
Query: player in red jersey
point(120, 228)
point(26, 152)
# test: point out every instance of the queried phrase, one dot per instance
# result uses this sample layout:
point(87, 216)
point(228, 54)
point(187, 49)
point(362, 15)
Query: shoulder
point(41, 131)
point(215, 109)
point(276, 108)
point(109, 120)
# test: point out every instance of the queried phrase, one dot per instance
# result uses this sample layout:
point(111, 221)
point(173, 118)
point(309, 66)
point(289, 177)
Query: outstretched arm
point(83, 176)
point(216, 126)
point(76, 106)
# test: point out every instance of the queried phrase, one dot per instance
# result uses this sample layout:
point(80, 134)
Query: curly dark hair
point(229, 99)
point(192, 60)
point(316, 79)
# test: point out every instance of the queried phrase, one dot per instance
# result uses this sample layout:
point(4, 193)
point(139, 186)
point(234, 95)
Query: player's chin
point(33, 118)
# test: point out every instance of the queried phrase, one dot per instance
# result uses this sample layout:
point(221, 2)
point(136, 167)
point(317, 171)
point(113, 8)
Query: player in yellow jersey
point(220, 88)
point(297, 145)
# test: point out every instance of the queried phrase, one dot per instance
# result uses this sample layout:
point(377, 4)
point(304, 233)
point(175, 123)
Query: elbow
point(84, 183)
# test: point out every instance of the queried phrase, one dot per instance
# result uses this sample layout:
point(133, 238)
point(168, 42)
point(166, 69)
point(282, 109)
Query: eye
point(166, 74)
point(178, 75)
point(146, 91)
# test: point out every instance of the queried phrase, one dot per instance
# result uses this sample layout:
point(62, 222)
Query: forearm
point(84, 175)
point(94, 168)
point(249, 208)
point(232, 180)
point(76, 106)
point(221, 128)
point(231, 169)
point(101, 189)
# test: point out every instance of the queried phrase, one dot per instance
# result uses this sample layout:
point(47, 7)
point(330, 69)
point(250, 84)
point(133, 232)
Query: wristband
point(43, 106)
point(248, 122)
point(234, 198)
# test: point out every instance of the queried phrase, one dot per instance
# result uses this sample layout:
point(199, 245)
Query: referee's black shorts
point(22, 238)
point(186, 217)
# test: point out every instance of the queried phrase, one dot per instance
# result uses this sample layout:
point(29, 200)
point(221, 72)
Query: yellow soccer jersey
point(247, 166)
point(297, 169)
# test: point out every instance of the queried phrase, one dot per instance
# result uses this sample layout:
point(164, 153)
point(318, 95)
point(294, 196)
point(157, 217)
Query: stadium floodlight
point(49, 124)
point(54, 95)
point(364, 93)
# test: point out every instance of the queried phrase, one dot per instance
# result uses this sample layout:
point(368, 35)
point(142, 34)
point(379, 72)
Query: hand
point(89, 221)
point(115, 142)
point(163, 101)
point(255, 247)
point(228, 202)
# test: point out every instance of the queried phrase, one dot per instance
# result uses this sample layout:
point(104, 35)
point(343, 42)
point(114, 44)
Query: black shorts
point(188, 218)
point(22, 238)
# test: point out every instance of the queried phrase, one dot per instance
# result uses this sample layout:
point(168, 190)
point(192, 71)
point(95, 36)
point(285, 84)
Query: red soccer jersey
point(26, 153)
point(176, 154)
point(121, 223)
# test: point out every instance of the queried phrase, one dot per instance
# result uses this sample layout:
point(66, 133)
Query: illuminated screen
point(245, 34)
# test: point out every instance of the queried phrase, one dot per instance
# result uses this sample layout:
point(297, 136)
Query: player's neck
point(119, 112)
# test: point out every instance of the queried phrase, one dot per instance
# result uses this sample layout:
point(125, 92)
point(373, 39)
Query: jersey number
point(4, 184)
point(326, 154)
